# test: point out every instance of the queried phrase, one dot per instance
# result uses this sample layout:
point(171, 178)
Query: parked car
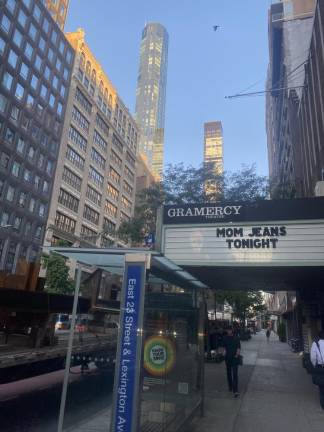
point(62, 322)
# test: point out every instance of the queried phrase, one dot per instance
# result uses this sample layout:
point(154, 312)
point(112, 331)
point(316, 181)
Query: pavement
point(276, 395)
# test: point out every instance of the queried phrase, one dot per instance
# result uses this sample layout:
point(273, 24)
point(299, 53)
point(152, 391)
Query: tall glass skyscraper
point(213, 152)
point(151, 92)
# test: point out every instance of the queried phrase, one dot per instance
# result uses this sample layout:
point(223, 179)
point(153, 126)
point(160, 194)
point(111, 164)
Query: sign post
point(125, 412)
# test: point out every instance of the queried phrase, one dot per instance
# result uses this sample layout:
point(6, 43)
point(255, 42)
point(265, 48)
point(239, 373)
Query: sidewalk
point(276, 393)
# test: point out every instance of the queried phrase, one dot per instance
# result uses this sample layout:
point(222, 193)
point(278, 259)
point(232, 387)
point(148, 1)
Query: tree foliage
point(58, 280)
point(245, 304)
point(185, 185)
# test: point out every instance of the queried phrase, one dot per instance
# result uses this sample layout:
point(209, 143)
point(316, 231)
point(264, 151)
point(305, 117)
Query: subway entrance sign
point(248, 242)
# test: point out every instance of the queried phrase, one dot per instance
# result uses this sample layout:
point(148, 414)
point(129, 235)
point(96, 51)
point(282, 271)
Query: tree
point(58, 280)
point(185, 185)
point(245, 304)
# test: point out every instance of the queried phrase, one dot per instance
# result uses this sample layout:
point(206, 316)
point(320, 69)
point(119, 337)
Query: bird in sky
point(215, 27)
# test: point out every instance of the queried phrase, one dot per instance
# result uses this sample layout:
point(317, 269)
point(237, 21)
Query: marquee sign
point(265, 210)
point(276, 233)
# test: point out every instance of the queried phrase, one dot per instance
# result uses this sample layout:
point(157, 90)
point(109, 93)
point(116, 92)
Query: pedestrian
point(317, 359)
point(232, 349)
point(268, 332)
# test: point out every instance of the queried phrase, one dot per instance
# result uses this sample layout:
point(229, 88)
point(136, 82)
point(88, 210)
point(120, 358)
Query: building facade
point(35, 73)
point(151, 94)
point(290, 29)
point(213, 152)
point(95, 179)
point(311, 109)
point(58, 9)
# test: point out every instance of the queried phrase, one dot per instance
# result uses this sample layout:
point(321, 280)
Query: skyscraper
point(213, 151)
point(151, 92)
point(58, 9)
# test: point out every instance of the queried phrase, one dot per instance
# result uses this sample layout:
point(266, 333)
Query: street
point(32, 405)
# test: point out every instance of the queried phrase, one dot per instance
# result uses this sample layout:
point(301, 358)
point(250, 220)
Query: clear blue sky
point(204, 66)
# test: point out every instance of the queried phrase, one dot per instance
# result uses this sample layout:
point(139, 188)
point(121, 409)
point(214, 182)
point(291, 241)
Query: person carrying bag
point(317, 359)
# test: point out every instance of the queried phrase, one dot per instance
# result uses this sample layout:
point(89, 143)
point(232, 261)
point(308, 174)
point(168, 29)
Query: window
point(5, 24)
point(58, 64)
point(52, 100)
point(112, 192)
point(32, 32)
point(39, 110)
point(113, 174)
point(93, 195)
point(50, 55)
point(55, 82)
point(45, 26)
point(110, 209)
point(62, 91)
point(38, 62)
point(49, 167)
point(22, 199)
point(32, 205)
point(19, 93)
point(27, 3)
point(124, 217)
point(98, 159)
point(14, 114)
point(109, 226)
point(80, 119)
point(47, 72)
point(35, 131)
point(12, 59)
point(24, 70)
point(38, 232)
point(42, 43)
point(22, 19)
point(20, 145)
point(31, 153)
point(11, 5)
point(115, 158)
point(97, 139)
point(75, 158)
point(3, 103)
point(96, 177)
point(37, 182)
point(17, 223)
point(28, 51)
point(77, 138)
point(69, 56)
point(40, 161)
point(10, 256)
point(27, 176)
point(4, 160)
point(126, 204)
point(102, 124)
point(86, 105)
point(4, 219)
point(59, 109)
point(30, 102)
point(15, 170)
point(9, 135)
point(130, 159)
point(37, 13)
point(45, 186)
point(88, 234)
point(118, 144)
point(28, 227)
point(72, 179)
point(43, 91)
point(17, 38)
point(91, 215)
point(68, 200)
point(10, 193)
point(2, 46)
point(129, 173)
point(127, 188)
point(34, 82)
point(62, 47)
point(54, 37)
point(65, 74)
point(1, 187)
point(7, 80)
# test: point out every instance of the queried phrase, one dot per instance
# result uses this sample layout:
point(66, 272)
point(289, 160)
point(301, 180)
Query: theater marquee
point(277, 233)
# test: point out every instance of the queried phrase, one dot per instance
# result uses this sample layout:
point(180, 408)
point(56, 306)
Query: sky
point(204, 66)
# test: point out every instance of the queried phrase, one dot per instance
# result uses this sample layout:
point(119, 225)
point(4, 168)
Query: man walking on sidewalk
point(232, 347)
point(317, 359)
